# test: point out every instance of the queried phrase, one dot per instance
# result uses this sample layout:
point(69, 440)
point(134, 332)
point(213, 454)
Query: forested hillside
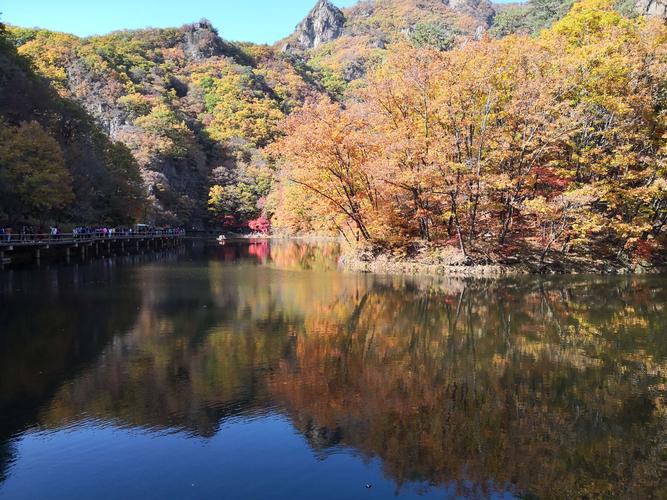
point(194, 110)
point(487, 128)
point(343, 44)
point(56, 162)
point(521, 148)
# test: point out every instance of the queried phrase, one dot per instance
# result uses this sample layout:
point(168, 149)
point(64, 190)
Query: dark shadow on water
point(54, 323)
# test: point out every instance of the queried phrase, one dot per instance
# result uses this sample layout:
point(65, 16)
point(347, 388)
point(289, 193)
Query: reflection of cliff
point(554, 387)
point(56, 323)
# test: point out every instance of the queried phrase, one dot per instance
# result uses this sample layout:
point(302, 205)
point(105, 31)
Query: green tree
point(432, 34)
point(627, 8)
point(166, 135)
point(545, 12)
point(510, 21)
point(530, 18)
point(123, 195)
point(241, 200)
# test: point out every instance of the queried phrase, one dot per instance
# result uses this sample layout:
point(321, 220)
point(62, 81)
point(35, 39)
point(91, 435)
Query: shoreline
point(272, 237)
point(457, 266)
point(410, 267)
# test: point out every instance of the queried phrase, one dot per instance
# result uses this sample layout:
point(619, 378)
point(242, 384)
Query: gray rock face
point(355, 70)
point(97, 96)
point(322, 24)
point(201, 41)
point(657, 8)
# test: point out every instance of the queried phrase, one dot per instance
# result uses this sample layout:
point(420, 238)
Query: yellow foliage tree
point(34, 181)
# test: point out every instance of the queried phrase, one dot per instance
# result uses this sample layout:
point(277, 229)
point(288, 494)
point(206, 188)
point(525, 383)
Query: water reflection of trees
point(553, 386)
point(491, 383)
point(204, 340)
point(286, 255)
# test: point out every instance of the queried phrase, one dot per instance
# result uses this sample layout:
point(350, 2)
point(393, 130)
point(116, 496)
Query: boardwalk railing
point(17, 240)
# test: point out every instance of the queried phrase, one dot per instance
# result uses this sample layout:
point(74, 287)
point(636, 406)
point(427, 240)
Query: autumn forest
point(414, 249)
point(466, 133)
point(555, 143)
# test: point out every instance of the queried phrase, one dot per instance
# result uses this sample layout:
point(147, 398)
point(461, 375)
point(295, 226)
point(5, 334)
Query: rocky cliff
point(656, 8)
point(200, 41)
point(324, 23)
point(386, 19)
point(343, 44)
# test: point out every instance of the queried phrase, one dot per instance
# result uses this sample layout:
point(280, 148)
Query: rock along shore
point(457, 265)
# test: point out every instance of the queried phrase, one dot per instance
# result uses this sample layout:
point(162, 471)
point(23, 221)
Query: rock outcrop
point(179, 100)
point(324, 23)
point(657, 8)
point(361, 31)
point(201, 41)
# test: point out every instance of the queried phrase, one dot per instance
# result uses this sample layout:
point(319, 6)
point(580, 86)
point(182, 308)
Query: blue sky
point(260, 21)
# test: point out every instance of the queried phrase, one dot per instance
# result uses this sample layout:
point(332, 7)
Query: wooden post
point(38, 257)
point(67, 255)
point(83, 253)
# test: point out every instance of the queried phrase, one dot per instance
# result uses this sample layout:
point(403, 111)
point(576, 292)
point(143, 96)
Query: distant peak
point(201, 40)
point(324, 4)
point(325, 22)
point(201, 25)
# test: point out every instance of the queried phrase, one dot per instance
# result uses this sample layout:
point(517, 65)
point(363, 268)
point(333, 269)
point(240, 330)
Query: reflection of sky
point(260, 458)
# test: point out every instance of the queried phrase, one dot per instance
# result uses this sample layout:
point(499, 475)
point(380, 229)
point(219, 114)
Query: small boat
point(222, 238)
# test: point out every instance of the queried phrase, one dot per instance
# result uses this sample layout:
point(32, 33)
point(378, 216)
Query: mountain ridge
point(196, 110)
point(193, 108)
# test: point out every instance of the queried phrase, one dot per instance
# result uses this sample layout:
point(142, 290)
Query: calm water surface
point(260, 371)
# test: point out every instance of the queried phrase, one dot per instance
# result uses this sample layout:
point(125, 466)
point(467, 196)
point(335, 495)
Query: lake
point(258, 370)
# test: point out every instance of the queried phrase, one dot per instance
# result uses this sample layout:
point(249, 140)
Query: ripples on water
point(252, 370)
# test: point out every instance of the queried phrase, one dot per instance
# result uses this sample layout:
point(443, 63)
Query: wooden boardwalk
point(34, 248)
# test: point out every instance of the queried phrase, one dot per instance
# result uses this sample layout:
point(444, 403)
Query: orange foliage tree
point(539, 144)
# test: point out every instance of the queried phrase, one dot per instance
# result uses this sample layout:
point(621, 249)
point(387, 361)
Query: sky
point(259, 21)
